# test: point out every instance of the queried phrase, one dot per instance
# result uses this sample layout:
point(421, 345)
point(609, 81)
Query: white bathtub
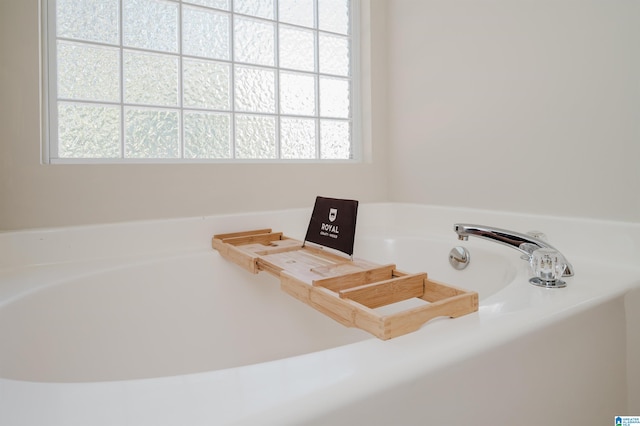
point(145, 324)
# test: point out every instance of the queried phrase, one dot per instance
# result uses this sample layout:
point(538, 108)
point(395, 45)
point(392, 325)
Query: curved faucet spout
point(522, 242)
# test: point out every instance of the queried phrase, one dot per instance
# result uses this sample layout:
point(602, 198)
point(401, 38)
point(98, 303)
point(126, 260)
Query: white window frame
point(49, 103)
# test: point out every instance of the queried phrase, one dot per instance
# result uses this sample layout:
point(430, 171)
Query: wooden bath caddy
point(351, 292)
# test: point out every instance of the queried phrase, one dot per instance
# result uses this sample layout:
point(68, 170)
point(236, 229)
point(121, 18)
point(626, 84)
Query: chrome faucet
point(524, 243)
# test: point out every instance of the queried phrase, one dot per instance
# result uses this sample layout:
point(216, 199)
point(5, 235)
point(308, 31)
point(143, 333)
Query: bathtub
point(145, 324)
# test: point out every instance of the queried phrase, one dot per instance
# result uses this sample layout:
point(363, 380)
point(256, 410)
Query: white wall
point(518, 105)
point(36, 195)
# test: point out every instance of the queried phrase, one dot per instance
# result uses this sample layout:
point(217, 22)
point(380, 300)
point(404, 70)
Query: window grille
point(200, 80)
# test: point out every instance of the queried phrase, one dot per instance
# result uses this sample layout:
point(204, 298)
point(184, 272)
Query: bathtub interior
point(165, 317)
point(490, 269)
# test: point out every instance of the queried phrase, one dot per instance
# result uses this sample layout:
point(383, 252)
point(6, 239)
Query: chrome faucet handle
point(548, 266)
point(529, 248)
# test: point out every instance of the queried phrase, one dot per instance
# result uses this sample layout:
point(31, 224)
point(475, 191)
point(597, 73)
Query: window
point(199, 80)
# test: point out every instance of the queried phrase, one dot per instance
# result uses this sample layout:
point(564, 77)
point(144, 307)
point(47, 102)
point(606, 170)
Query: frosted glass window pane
point(298, 12)
point(255, 136)
point(151, 133)
point(206, 84)
point(333, 15)
point(297, 48)
point(334, 55)
point(150, 79)
point(255, 89)
point(205, 33)
point(297, 94)
point(335, 139)
point(159, 78)
point(297, 138)
point(88, 20)
point(151, 24)
point(334, 98)
point(260, 8)
point(254, 41)
point(88, 72)
point(207, 135)
point(218, 4)
point(88, 131)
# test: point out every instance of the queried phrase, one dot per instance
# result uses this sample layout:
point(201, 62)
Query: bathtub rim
point(37, 245)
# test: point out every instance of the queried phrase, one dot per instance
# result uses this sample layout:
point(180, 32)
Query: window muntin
point(217, 80)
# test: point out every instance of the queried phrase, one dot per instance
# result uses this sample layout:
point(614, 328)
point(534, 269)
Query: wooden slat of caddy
point(355, 279)
point(386, 292)
point(412, 319)
point(242, 234)
point(265, 238)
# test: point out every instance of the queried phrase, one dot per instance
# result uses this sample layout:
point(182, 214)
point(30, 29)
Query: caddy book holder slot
point(357, 293)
